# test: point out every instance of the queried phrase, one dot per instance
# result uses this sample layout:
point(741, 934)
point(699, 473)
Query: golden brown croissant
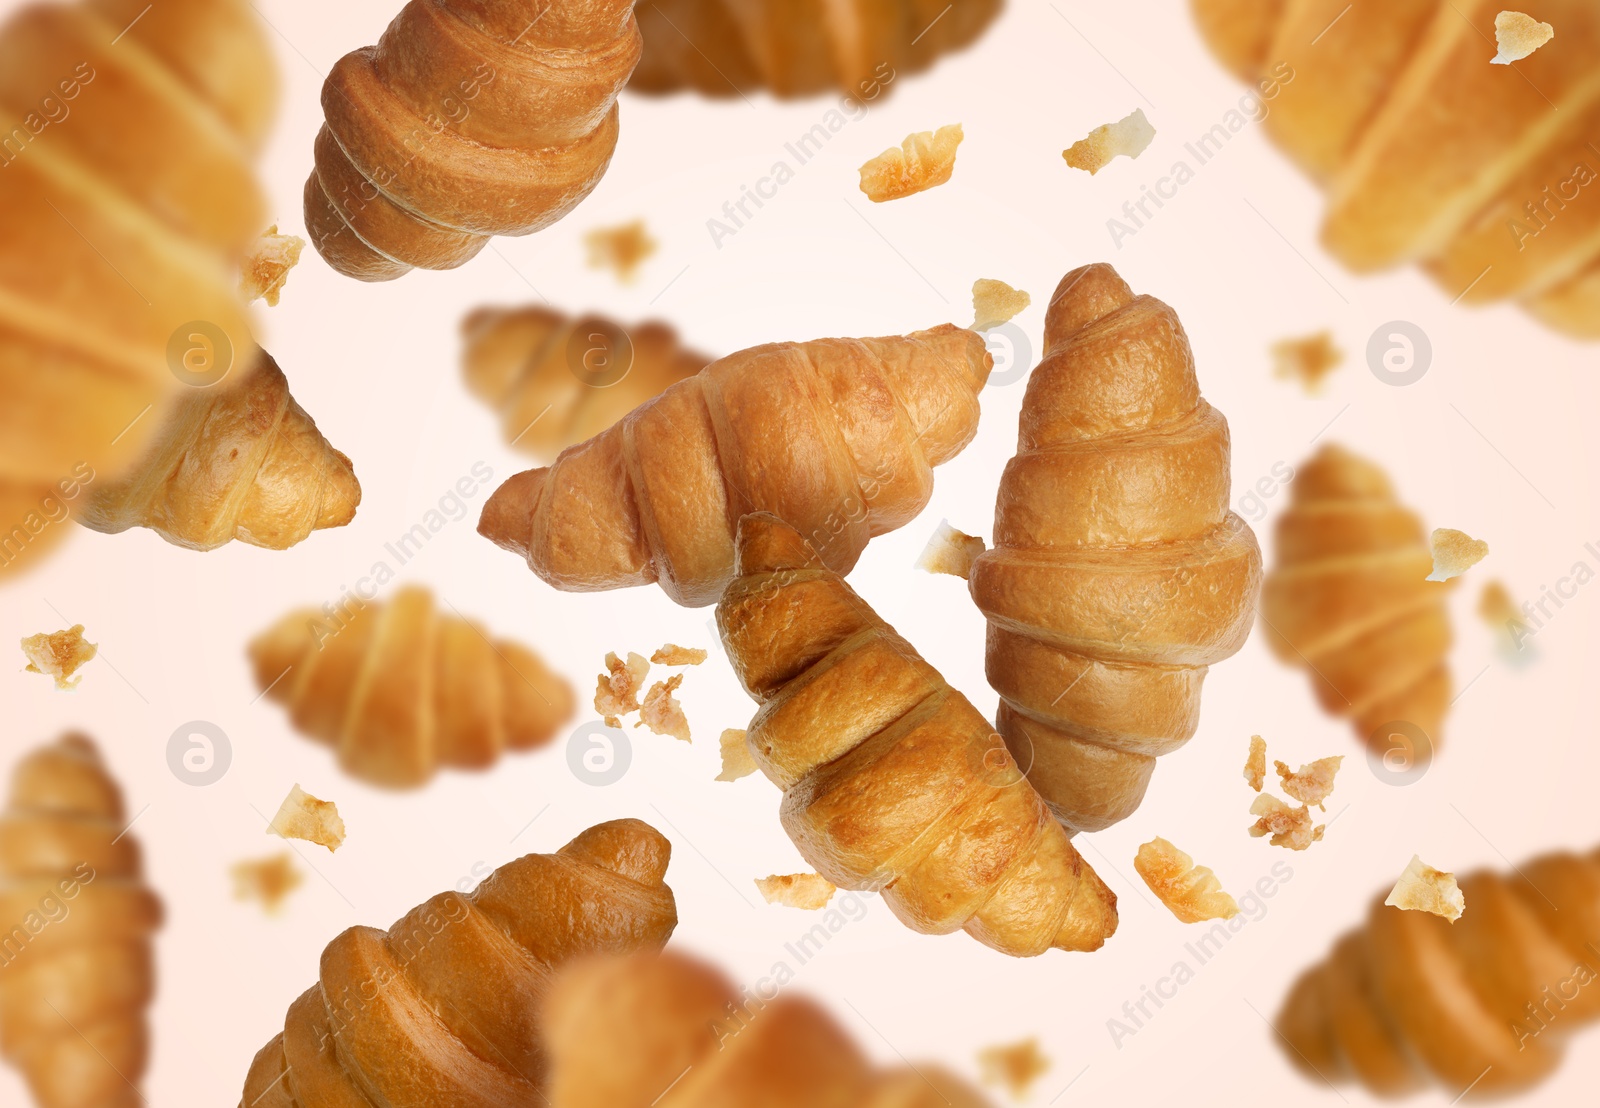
point(1348, 601)
point(837, 436)
point(556, 380)
point(1428, 152)
point(669, 1031)
point(469, 119)
point(239, 460)
point(443, 1008)
point(401, 688)
point(892, 780)
point(1484, 1003)
point(1118, 573)
point(76, 965)
point(857, 47)
point(127, 200)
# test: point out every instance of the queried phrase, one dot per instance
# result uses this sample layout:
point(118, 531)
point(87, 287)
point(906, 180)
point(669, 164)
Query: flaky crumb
point(1289, 827)
point(59, 654)
point(1518, 35)
point(1307, 360)
point(269, 880)
point(617, 694)
point(1496, 606)
point(1312, 783)
point(1127, 137)
point(621, 249)
point(303, 816)
point(808, 891)
point(995, 302)
point(1190, 892)
point(1422, 888)
point(1255, 766)
point(950, 551)
point(267, 266)
point(1454, 552)
point(661, 712)
point(923, 161)
point(1015, 1066)
point(674, 655)
point(737, 761)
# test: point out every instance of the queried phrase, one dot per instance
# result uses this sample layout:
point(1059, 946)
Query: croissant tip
point(1084, 296)
point(629, 847)
point(764, 543)
point(507, 515)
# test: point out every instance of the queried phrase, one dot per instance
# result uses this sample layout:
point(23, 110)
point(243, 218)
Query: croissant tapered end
point(506, 515)
point(1240, 32)
point(630, 847)
point(766, 544)
point(1084, 296)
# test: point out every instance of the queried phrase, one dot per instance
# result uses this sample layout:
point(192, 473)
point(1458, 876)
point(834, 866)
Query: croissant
point(799, 47)
point(1118, 573)
point(400, 689)
point(837, 436)
point(240, 460)
point(622, 1030)
point(466, 121)
point(127, 200)
point(442, 1009)
point(556, 380)
point(1484, 1004)
point(1429, 153)
point(76, 965)
point(1349, 602)
point(892, 780)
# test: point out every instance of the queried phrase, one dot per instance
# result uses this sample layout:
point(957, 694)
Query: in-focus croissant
point(401, 688)
point(77, 969)
point(469, 119)
point(837, 436)
point(239, 460)
point(1485, 1003)
point(1428, 152)
point(443, 1008)
point(1118, 574)
point(857, 47)
point(669, 1031)
point(892, 780)
point(127, 200)
point(556, 380)
point(1349, 602)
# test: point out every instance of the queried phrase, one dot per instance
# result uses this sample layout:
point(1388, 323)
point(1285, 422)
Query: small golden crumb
point(617, 694)
point(1422, 888)
point(737, 761)
point(950, 551)
point(1289, 827)
point(59, 654)
point(663, 714)
point(1310, 784)
point(623, 249)
point(1190, 892)
point(923, 161)
point(1307, 360)
point(1127, 137)
point(995, 302)
point(674, 655)
point(1518, 35)
point(303, 816)
point(269, 880)
point(1255, 766)
point(1016, 1066)
point(1454, 552)
point(267, 266)
point(808, 891)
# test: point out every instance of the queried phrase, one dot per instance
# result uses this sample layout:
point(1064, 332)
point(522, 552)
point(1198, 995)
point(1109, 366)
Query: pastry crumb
point(1255, 766)
point(807, 891)
point(674, 655)
point(269, 880)
point(1454, 552)
point(1422, 888)
point(59, 654)
point(617, 694)
point(1192, 893)
point(1015, 1066)
point(621, 249)
point(995, 302)
point(1312, 783)
point(1127, 137)
point(303, 816)
point(950, 551)
point(267, 266)
point(1518, 35)
point(923, 161)
point(661, 712)
point(737, 761)
point(1289, 827)
point(1307, 360)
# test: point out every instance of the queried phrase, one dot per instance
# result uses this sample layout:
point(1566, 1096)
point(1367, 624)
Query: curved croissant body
point(1118, 574)
point(669, 1031)
point(1485, 1003)
point(443, 1008)
point(556, 380)
point(857, 47)
point(77, 969)
point(240, 460)
point(1429, 153)
point(469, 119)
point(127, 200)
point(1348, 599)
point(401, 688)
point(892, 780)
point(837, 436)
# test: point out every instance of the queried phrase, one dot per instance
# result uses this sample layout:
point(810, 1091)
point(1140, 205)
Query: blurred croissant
point(669, 1031)
point(127, 201)
point(555, 380)
point(443, 1008)
point(1429, 153)
point(239, 460)
point(466, 121)
point(400, 689)
point(1349, 602)
point(1118, 574)
point(892, 780)
point(77, 968)
point(837, 436)
point(1484, 1004)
